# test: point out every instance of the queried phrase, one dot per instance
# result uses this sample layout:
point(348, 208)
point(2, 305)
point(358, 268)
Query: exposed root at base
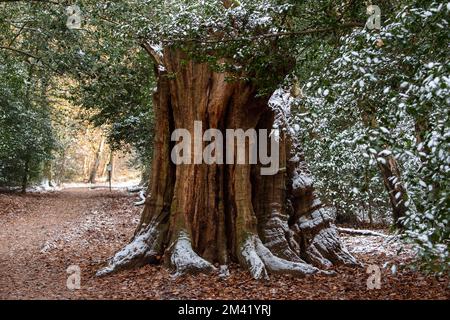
point(184, 259)
point(260, 260)
point(323, 250)
point(326, 250)
point(321, 243)
point(142, 250)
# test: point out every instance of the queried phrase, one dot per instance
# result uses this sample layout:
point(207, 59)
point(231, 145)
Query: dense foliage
point(26, 139)
point(91, 67)
point(387, 93)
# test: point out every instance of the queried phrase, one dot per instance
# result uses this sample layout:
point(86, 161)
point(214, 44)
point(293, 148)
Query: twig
point(361, 232)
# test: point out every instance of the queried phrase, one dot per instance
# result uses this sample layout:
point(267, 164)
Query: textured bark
point(199, 215)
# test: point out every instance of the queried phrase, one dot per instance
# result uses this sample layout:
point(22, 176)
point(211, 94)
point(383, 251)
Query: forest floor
point(42, 234)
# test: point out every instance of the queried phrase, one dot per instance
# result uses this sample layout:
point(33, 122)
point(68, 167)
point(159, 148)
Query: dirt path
point(41, 235)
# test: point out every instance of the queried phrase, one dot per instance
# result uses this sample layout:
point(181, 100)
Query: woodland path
point(42, 234)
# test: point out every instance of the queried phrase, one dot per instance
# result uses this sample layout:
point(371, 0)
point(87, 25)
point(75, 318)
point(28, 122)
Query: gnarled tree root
point(183, 258)
point(260, 260)
point(143, 249)
point(320, 241)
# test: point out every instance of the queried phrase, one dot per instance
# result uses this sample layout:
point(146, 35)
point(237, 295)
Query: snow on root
point(324, 247)
point(136, 253)
point(261, 260)
point(142, 196)
point(185, 260)
point(251, 258)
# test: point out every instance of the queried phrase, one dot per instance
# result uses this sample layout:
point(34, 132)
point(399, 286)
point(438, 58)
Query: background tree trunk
point(198, 214)
point(26, 170)
point(93, 174)
point(397, 193)
point(390, 173)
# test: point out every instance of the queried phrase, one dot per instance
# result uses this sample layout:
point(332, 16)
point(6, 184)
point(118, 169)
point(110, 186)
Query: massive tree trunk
point(199, 216)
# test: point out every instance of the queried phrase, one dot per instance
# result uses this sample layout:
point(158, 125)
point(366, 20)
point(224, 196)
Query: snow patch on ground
point(391, 247)
point(95, 222)
point(115, 185)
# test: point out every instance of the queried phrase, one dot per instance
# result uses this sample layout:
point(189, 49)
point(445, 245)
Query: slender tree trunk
point(394, 186)
point(47, 174)
point(369, 202)
point(198, 214)
point(62, 168)
point(369, 211)
point(25, 175)
point(111, 163)
point(145, 177)
point(390, 173)
point(93, 174)
point(104, 171)
point(85, 167)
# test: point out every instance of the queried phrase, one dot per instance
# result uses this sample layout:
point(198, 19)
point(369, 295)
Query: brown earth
point(41, 235)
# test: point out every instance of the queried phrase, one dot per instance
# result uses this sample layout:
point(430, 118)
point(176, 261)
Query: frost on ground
point(94, 222)
point(389, 247)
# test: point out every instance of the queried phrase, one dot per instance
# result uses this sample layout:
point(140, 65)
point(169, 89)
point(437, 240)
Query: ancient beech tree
point(199, 216)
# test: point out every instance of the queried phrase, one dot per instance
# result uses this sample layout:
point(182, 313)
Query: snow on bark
point(278, 237)
point(324, 247)
point(224, 272)
point(251, 259)
point(158, 49)
point(302, 181)
point(281, 102)
point(315, 220)
point(185, 260)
